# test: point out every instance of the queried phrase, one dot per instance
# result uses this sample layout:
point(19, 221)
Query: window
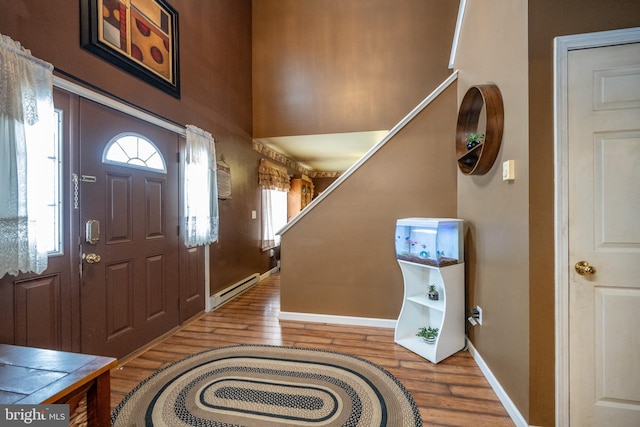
point(274, 183)
point(134, 151)
point(274, 216)
point(53, 192)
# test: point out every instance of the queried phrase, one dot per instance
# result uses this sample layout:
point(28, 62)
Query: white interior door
point(604, 231)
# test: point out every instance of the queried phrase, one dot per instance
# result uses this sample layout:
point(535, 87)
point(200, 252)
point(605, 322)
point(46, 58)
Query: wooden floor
point(452, 393)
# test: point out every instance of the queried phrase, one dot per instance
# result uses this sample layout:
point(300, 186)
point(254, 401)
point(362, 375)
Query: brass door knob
point(91, 258)
point(583, 268)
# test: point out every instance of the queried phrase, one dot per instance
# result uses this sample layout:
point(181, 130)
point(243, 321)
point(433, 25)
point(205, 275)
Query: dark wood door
point(192, 291)
point(129, 296)
point(41, 310)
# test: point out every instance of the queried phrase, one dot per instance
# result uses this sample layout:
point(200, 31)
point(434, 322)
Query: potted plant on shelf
point(428, 334)
point(433, 293)
point(474, 139)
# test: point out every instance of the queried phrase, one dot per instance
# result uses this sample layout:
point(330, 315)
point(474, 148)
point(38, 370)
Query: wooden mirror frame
point(479, 159)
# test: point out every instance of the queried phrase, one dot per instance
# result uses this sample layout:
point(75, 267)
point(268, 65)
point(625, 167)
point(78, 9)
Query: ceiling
point(334, 152)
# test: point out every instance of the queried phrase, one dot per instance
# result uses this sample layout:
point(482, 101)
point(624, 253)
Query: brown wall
point(321, 184)
point(510, 240)
point(330, 66)
point(215, 70)
point(339, 258)
point(343, 66)
point(548, 19)
point(237, 245)
point(496, 211)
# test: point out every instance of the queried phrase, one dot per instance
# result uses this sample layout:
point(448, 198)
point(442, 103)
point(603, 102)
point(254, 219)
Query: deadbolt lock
point(92, 231)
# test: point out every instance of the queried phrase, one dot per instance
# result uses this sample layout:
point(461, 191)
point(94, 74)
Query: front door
point(129, 217)
point(604, 232)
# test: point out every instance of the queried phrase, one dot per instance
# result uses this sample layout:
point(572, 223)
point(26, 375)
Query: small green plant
point(474, 139)
point(428, 334)
point(473, 136)
point(433, 293)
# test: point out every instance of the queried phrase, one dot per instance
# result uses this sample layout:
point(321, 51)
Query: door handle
point(583, 268)
point(91, 258)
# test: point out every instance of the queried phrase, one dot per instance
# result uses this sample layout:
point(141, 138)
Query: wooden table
point(38, 376)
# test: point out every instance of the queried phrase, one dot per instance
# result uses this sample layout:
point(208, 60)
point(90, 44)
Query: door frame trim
point(562, 46)
point(117, 105)
point(82, 91)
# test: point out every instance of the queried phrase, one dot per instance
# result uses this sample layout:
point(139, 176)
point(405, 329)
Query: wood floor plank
point(451, 393)
point(473, 392)
point(448, 368)
point(477, 406)
point(146, 363)
point(456, 418)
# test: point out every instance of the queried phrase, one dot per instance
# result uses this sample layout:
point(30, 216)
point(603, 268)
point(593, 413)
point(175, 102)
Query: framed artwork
point(139, 36)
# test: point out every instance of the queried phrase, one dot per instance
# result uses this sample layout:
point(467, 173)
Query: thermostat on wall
point(508, 171)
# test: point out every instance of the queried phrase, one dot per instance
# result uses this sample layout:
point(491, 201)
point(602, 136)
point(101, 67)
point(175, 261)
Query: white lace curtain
point(201, 190)
point(26, 131)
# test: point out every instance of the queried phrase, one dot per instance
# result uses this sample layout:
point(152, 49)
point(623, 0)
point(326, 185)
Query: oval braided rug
point(265, 386)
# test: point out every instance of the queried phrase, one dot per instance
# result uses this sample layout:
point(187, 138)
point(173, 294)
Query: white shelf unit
point(446, 314)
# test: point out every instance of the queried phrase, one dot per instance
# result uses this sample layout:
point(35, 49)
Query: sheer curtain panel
point(201, 189)
point(26, 130)
point(274, 183)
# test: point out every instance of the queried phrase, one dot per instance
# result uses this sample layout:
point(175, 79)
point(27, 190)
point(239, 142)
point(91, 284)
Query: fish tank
point(436, 242)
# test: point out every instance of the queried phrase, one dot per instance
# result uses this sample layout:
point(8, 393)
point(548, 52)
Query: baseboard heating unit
point(231, 291)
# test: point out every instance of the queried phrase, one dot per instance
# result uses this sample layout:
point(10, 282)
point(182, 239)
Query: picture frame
point(138, 36)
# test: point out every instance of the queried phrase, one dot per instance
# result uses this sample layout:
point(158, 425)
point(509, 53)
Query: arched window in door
point(135, 151)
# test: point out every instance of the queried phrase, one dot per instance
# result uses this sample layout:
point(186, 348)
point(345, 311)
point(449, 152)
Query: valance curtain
point(272, 176)
point(26, 131)
point(201, 190)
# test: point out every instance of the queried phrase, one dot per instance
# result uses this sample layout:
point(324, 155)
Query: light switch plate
point(254, 214)
point(508, 170)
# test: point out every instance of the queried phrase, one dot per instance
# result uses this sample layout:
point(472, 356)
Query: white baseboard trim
point(506, 401)
point(340, 320)
point(230, 292)
point(233, 291)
